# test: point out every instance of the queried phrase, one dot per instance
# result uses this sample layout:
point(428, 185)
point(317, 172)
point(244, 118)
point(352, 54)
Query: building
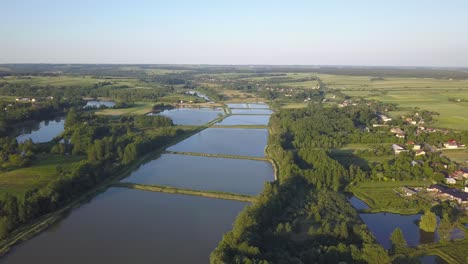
point(397, 149)
point(451, 194)
point(407, 191)
point(385, 118)
point(396, 130)
point(400, 135)
point(420, 153)
point(416, 147)
point(450, 180)
point(451, 144)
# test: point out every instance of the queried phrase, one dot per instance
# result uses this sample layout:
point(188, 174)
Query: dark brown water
point(203, 173)
point(131, 226)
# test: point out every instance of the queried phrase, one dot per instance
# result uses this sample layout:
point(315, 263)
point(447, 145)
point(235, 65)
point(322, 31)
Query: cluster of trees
point(14, 155)
point(14, 112)
point(294, 222)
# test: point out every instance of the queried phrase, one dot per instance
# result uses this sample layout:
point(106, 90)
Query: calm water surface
point(192, 116)
point(98, 103)
point(357, 203)
point(245, 120)
point(432, 259)
point(229, 141)
point(251, 111)
point(131, 226)
point(40, 132)
point(204, 173)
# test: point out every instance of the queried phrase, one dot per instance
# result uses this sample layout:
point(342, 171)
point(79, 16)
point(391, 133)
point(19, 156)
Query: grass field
point(408, 93)
point(20, 180)
point(140, 108)
point(458, 155)
point(382, 197)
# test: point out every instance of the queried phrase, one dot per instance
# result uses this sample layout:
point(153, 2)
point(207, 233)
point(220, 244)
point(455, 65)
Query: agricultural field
point(410, 93)
point(39, 173)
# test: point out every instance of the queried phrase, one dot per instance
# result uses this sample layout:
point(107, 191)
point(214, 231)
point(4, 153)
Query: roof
point(454, 192)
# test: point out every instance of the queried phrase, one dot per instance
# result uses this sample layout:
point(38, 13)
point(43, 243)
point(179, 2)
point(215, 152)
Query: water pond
point(99, 103)
point(245, 120)
point(251, 111)
point(40, 132)
point(192, 116)
point(131, 226)
point(205, 173)
point(228, 141)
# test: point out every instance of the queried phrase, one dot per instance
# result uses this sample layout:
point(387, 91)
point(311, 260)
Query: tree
point(71, 119)
point(397, 238)
point(428, 222)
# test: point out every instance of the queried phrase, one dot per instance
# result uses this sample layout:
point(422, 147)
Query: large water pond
point(245, 120)
point(99, 103)
point(40, 132)
point(192, 116)
point(229, 141)
point(247, 105)
point(131, 226)
point(205, 173)
point(251, 111)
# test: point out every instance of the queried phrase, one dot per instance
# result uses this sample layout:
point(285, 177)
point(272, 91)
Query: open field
point(382, 197)
point(458, 155)
point(408, 93)
point(39, 173)
point(140, 108)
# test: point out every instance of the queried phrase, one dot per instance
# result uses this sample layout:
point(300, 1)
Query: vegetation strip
point(217, 155)
point(174, 190)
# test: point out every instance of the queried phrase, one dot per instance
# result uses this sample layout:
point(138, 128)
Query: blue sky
point(396, 33)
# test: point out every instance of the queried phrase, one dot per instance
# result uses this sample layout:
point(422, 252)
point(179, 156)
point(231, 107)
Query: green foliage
point(428, 222)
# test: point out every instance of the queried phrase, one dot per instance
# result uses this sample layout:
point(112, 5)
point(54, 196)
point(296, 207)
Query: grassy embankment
point(174, 190)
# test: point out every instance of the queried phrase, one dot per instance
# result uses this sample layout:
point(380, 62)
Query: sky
point(292, 32)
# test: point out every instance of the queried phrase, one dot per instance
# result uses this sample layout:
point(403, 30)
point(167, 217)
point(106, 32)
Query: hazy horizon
point(301, 33)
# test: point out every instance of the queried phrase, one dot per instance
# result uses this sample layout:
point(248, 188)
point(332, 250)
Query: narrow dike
point(175, 190)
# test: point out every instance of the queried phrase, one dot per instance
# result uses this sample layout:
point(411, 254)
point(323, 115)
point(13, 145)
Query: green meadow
point(38, 174)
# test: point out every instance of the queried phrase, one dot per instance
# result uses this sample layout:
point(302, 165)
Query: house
point(396, 130)
point(465, 189)
point(400, 135)
point(450, 180)
point(385, 118)
point(416, 147)
point(420, 153)
point(451, 144)
point(397, 149)
point(458, 175)
point(452, 194)
point(407, 191)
